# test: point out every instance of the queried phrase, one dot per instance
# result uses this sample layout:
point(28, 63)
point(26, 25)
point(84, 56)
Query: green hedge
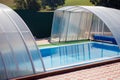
point(40, 23)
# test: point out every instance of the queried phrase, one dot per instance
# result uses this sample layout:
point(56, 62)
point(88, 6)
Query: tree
point(53, 4)
point(107, 3)
point(28, 4)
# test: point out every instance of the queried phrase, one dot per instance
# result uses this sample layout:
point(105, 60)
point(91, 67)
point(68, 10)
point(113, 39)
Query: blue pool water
point(56, 57)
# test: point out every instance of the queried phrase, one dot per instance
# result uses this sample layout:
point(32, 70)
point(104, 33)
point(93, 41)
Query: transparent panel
point(35, 54)
point(98, 27)
point(55, 34)
point(73, 27)
point(4, 21)
point(20, 64)
point(85, 24)
point(7, 57)
point(110, 17)
point(99, 20)
point(31, 47)
point(64, 26)
point(15, 18)
point(2, 69)
point(19, 55)
point(95, 25)
point(57, 26)
point(106, 31)
point(65, 8)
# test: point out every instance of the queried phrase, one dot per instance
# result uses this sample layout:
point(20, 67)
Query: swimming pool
point(78, 54)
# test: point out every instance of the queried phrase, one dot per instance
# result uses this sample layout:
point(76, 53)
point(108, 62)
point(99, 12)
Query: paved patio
point(106, 72)
point(42, 41)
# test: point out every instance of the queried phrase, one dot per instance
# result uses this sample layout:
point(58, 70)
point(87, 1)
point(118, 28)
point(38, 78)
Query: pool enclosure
point(86, 22)
point(19, 54)
point(18, 51)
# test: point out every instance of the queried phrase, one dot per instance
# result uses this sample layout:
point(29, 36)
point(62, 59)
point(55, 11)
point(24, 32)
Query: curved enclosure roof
point(81, 19)
point(19, 55)
point(110, 17)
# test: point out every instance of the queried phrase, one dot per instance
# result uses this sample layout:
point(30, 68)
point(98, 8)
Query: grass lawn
point(63, 43)
point(11, 3)
point(73, 3)
point(77, 2)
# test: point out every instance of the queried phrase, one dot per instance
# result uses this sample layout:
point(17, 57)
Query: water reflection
point(65, 55)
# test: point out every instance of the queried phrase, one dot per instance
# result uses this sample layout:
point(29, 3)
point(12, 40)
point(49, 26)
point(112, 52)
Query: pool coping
point(74, 44)
point(67, 70)
point(83, 63)
point(61, 44)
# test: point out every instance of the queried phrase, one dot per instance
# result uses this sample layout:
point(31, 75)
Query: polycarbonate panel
point(73, 27)
point(4, 21)
point(82, 26)
point(72, 9)
point(110, 17)
point(6, 49)
point(64, 26)
point(57, 19)
point(94, 26)
point(15, 17)
point(2, 69)
point(57, 23)
point(99, 28)
point(7, 57)
point(88, 24)
point(93, 20)
point(35, 55)
point(65, 8)
point(19, 52)
point(19, 55)
point(85, 24)
point(32, 48)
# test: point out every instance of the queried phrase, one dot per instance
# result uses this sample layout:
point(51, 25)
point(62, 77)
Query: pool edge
point(67, 70)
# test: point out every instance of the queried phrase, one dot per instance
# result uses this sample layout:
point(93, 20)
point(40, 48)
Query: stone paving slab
point(106, 72)
point(42, 41)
